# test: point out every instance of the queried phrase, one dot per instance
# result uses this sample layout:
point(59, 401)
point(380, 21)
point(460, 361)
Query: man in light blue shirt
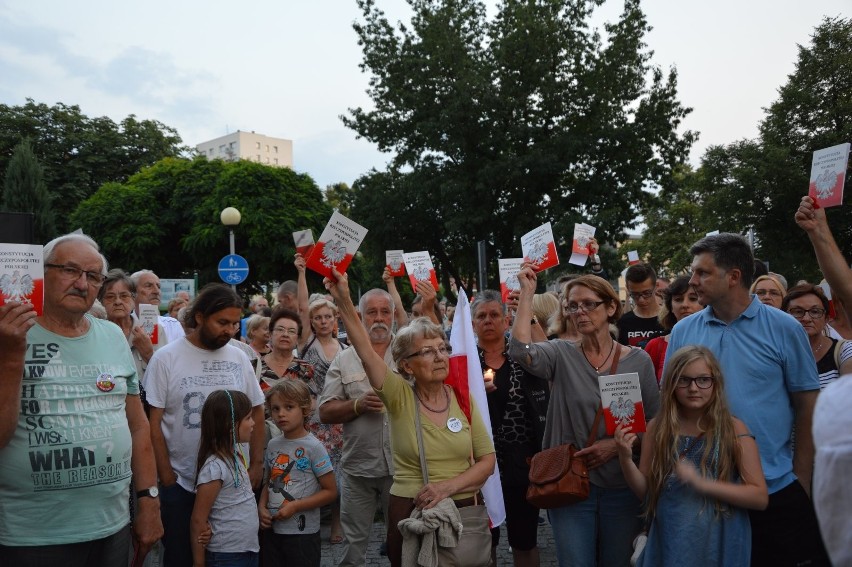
point(772, 385)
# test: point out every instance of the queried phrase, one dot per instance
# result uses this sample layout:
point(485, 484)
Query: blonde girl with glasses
point(699, 470)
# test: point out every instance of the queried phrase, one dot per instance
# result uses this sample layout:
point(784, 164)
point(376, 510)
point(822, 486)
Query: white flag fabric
point(463, 342)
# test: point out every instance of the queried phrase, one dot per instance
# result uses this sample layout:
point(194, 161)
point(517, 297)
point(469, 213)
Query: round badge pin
point(105, 382)
point(454, 424)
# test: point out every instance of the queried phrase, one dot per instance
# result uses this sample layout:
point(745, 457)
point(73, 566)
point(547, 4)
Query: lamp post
point(231, 217)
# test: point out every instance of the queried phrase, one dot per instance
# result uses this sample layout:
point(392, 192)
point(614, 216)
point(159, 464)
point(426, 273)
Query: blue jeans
point(176, 505)
point(225, 559)
point(106, 552)
point(603, 525)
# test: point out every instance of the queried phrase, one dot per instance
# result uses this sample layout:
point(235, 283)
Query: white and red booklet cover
point(539, 248)
point(148, 316)
point(633, 257)
point(337, 245)
point(304, 241)
point(395, 262)
point(583, 234)
point(509, 268)
point(621, 399)
point(828, 175)
point(419, 266)
point(22, 274)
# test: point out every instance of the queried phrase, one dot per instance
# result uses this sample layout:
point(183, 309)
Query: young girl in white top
point(224, 498)
point(698, 472)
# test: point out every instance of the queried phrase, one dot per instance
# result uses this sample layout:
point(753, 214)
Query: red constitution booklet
point(22, 274)
point(337, 245)
point(621, 398)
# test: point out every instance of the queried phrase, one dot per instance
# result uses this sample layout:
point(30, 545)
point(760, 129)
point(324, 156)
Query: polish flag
point(466, 380)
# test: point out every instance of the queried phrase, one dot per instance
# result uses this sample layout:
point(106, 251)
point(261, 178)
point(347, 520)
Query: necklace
point(819, 346)
point(598, 368)
point(425, 405)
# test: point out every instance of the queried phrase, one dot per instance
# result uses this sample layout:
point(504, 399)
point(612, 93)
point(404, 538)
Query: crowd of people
point(216, 438)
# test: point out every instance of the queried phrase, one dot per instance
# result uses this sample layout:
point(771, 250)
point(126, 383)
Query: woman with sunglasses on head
point(808, 304)
point(699, 470)
point(600, 529)
point(449, 440)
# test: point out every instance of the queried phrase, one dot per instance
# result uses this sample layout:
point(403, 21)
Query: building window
point(267, 160)
point(275, 149)
point(258, 159)
point(210, 151)
point(258, 145)
point(232, 145)
point(222, 149)
point(275, 160)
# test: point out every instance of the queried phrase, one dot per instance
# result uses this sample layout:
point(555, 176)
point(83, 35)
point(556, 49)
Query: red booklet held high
point(337, 245)
point(304, 241)
point(539, 248)
point(395, 262)
point(419, 266)
point(22, 274)
point(621, 398)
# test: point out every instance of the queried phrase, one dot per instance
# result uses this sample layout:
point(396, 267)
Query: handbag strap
point(593, 434)
point(423, 468)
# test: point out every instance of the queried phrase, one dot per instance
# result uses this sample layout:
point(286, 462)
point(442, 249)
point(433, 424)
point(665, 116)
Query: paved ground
point(331, 553)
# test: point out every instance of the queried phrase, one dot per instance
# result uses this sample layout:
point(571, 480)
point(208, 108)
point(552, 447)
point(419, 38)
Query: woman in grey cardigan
point(601, 528)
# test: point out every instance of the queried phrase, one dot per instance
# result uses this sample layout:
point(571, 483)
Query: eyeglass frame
point(444, 350)
point(583, 306)
point(686, 381)
point(69, 273)
point(107, 298)
point(637, 295)
point(290, 332)
point(804, 312)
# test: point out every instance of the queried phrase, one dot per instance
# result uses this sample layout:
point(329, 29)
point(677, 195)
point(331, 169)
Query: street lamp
point(231, 217)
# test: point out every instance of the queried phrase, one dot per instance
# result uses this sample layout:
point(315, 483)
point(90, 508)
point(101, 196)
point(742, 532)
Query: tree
point(24, 191)
point(340, 197)
point(757, 184)
point(498, 126)
point(78, 153)
point(168, 218)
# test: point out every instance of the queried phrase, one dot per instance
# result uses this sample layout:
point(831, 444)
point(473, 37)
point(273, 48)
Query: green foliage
point(341, 197)
point(500, 125)
point(78, 153)
point(24, 191)
point(166, 218)
point(759, 183)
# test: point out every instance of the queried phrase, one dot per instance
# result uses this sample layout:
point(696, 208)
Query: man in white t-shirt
point(148, 291)
point(178, 380)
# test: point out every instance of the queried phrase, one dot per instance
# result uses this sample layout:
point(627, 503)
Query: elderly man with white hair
point(148, 292)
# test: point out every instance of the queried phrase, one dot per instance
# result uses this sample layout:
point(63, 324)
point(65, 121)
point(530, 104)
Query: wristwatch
point(152, 492)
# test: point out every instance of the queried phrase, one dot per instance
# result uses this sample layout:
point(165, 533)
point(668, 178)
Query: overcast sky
point(289, 68)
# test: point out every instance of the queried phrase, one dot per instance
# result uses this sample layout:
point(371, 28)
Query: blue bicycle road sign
point(233, 269)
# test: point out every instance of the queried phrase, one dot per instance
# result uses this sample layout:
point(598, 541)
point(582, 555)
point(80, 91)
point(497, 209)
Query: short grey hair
point(420, 328)
point(115, 276)
point(373, 293)
point(50, 248)
point(486, 296)
point(135, 276)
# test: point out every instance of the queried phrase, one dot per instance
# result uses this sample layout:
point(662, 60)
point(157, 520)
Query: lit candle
point(488, 375)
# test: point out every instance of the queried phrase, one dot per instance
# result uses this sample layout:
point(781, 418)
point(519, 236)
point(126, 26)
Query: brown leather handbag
point(557, 477)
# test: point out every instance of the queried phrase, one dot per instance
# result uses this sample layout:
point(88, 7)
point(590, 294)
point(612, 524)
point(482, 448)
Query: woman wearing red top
point(679, 301)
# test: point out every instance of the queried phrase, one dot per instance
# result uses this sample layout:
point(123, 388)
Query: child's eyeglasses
point(702, 382)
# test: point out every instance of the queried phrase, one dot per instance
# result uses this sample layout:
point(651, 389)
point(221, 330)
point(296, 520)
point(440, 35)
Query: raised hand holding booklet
point(621, 399)
point(395, 262)
point(539, 248)
point(828, 175)
point(22, 274)
point(337, 245)
point(419, 266)
point(583, 234)
point(509, 268)
point(304, 241)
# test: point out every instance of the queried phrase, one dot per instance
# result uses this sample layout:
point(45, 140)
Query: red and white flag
point(466, 379)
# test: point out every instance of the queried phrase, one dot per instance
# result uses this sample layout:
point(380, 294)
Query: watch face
point(154, 491)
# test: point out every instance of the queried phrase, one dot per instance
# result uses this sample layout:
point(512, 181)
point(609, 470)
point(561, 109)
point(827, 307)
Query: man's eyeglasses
point(584, 306)
point(799, 313)
point(772, 292)
point(291, 332)
point(702, 382)
point(431, 353)
point(110, 297)
point(94, 279)
point(647, 294)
